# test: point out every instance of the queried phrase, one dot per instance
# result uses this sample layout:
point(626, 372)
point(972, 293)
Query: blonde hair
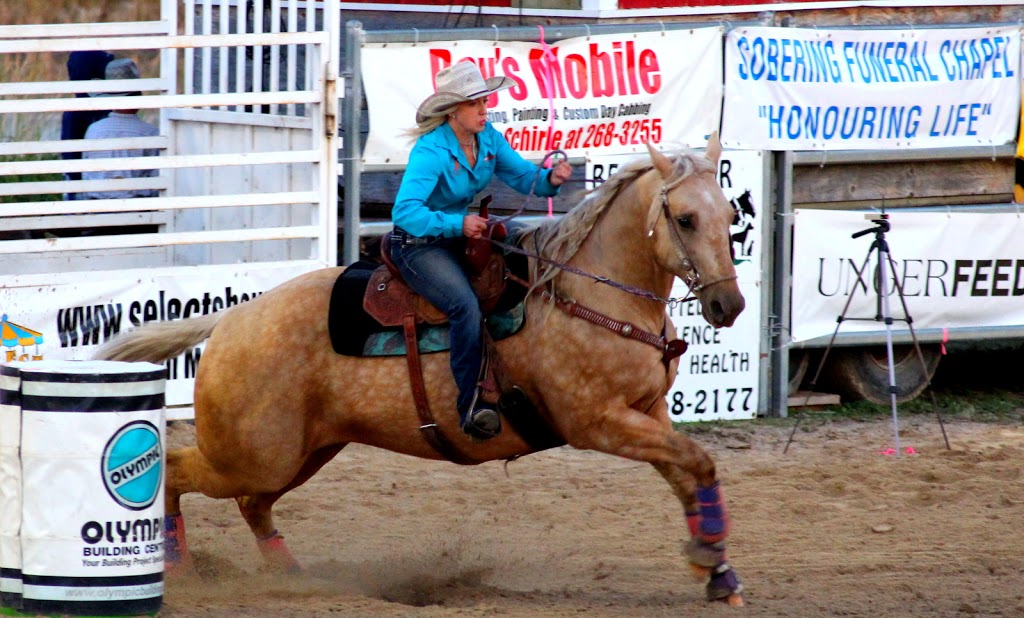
point(429, 124)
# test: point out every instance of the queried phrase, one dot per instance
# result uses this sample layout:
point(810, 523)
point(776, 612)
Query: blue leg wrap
point(713, 521)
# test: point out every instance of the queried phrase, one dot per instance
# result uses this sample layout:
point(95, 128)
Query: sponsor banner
point(91, 453)
point(819, 89)
point(593, 95)
point(719, 375)
point(957, 270)
point(71, 321)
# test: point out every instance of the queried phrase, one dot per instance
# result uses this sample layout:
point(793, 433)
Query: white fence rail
point(296, 206)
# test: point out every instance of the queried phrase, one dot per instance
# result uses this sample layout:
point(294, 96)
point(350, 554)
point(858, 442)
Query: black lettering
point(938, 276)
point(133, 313)
point(998, 275)
point(821, 278)
point(724, 168)
point(958, 276)
point(907, 275)
point(150, 311)
point(859, 277)
point(92, 532)
point(192, 362)
point(980, 277)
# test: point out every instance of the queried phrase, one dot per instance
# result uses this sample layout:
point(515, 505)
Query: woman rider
point(457, 151)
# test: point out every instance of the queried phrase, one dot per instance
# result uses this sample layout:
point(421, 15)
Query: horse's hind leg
point(256, 509)
point(179, 482)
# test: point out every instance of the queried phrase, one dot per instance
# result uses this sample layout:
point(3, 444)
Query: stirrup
point(482, 424)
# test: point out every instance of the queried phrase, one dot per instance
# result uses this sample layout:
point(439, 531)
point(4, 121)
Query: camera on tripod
point(881, 221)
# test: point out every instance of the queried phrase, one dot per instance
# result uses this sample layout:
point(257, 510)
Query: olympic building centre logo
point(132, 465)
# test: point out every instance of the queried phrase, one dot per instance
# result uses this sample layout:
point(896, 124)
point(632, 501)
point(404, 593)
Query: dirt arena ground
point(833, 528)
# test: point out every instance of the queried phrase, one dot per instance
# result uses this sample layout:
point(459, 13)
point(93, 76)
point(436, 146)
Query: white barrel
point(10, 487)
point(92, 487)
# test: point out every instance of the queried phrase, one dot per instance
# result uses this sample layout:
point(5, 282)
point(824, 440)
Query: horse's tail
point(156, 342)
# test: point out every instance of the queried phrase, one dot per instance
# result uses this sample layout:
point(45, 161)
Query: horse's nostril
point(717, 311)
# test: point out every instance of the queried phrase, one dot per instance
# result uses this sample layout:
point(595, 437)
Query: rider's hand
point(560, 173)
point(474, 226)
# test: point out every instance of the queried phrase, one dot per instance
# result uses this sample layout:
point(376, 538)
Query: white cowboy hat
point(456, 84)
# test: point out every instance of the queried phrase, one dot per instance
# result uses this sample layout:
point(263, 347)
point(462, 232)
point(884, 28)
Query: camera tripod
point(880, 249)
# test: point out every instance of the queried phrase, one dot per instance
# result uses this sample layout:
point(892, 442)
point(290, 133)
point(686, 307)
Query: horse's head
point(688, 222)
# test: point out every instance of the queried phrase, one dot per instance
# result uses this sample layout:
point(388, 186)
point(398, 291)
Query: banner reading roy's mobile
point(816, 89)
point(602, 94)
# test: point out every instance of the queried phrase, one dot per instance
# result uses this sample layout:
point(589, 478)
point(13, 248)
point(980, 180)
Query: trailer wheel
point(862, 373)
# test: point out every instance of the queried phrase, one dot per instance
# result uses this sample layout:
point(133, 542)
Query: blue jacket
point(438, 185)
point(82, 66)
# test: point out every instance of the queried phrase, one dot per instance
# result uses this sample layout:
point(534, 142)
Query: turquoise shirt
point(438, 185)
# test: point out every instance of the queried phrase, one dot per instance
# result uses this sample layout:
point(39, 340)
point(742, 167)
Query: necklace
point(471, 145)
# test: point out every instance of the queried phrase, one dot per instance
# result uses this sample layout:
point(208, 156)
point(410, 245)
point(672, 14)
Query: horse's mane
point(559, 240)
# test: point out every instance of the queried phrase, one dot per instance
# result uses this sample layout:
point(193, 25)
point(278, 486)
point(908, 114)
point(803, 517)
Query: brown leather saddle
point(392, 302)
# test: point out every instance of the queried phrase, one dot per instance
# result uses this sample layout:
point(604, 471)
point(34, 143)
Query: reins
point(692, 279)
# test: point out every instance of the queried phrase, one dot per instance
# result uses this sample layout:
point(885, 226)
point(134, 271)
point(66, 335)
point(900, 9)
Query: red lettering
point(576, 75)
point(601, 75)
point(650, 72)
point(439, 59)
point(510, 68)
point(622, 71)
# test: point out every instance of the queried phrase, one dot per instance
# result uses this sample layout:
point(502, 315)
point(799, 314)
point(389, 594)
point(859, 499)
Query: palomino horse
point(265, 423)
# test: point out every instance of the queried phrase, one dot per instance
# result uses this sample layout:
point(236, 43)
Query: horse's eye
point(686, 222)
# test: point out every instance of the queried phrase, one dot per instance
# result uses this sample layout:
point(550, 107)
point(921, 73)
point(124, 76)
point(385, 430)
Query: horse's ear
point(662, 163)
point(714, 149)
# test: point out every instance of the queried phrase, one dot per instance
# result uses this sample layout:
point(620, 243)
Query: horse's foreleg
point(256, 509)
point(707, 560)
point(690, 472)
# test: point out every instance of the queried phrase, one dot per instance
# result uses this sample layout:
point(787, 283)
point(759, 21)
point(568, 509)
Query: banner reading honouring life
point(817, 89)
point(610, 93)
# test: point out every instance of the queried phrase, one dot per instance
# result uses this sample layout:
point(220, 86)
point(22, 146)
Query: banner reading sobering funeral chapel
point(802, 89)
point(610, 94)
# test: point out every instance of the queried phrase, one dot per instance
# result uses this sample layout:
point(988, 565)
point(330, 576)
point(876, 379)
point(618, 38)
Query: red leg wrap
point(693, 523)
point(176, 554)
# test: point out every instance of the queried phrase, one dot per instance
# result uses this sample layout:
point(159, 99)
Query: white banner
point(804, 89)
point(719, 375)
point(957, 270)
point(611, 93)
point(71, 321)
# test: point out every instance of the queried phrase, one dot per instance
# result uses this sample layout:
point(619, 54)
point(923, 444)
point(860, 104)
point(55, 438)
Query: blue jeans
point(434, 271)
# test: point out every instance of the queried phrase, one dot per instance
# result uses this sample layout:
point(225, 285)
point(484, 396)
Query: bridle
point(692, 279)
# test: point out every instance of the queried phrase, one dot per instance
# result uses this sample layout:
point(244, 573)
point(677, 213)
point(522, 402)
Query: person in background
point(120, 123)
point(456, 154)
point(82, 66)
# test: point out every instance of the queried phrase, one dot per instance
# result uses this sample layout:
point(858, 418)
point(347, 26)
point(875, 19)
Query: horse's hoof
point(699, 573)
point(277, 555)
point(725, 585)
point(182, 567)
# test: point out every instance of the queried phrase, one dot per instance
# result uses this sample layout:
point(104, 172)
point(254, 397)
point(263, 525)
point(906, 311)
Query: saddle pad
point(354, 333)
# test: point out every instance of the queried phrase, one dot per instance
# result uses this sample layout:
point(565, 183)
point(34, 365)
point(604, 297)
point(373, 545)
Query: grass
point(7, 199)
